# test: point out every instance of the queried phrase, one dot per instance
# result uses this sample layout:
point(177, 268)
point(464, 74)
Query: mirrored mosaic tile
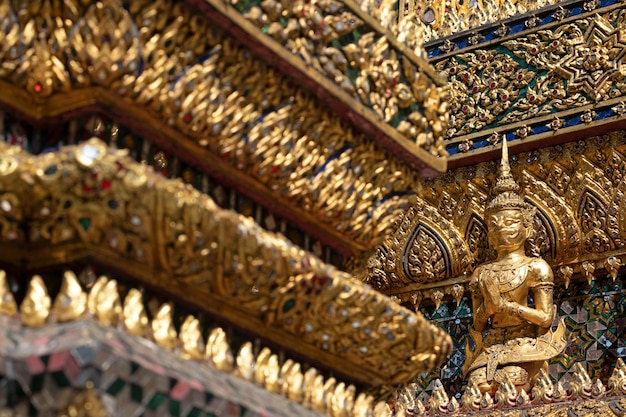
point(41, 381)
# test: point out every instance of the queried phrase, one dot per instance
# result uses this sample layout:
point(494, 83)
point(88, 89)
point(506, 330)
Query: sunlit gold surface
point(170, 235)
point(334, 398)
point(71, 302)
point(8, 305)
point(135, 317)
point(576, 189)
point(163, 330)
point(250, 117)
point(512, 340)
point(35, 308)
point(191, 339)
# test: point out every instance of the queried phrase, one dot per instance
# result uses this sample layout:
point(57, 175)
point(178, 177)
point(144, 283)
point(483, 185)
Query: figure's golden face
point(506, 229)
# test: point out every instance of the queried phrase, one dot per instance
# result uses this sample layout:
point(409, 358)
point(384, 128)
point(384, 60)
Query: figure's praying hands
point(492, 298)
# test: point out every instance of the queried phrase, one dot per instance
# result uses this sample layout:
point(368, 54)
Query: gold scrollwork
point(549, 71)
point(577, 190)
point(90, 200)
point(423, 248)
point(188, 75)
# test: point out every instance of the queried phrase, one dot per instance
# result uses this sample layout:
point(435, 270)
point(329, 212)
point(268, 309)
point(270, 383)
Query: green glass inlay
point(174, 408)
point(194, 412)
point(156, 401)
point(116, 387)
point(288, 305)
point(84, 222)
point(136, 393)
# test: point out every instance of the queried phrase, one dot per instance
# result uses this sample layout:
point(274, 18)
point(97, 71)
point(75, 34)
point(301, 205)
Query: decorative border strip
point(510, 28)
point(550, 84)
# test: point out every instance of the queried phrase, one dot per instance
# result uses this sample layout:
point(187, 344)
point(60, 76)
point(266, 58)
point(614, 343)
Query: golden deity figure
point(512, 337)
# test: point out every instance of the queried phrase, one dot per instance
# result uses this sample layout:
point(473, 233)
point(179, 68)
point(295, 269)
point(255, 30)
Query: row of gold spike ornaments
point(579, 387)
point(103, 302)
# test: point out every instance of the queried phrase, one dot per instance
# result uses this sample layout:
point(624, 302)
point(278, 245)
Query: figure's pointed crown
point(505, 191)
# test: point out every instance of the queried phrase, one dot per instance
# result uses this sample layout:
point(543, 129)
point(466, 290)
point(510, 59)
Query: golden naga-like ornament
point(8, 305)
point(108, 304)
point(135, 317)
point(36, 305)
point(163, 329)
point(245, 362)
point(191, 339)
point(218, 350)
point(512, 340)
point(71, 302)
point(92, 298)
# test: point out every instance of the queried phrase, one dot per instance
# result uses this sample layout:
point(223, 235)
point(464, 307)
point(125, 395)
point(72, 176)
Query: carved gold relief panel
point(578, 190)
point(89, 201)
point(558, 77)
point(188, 75)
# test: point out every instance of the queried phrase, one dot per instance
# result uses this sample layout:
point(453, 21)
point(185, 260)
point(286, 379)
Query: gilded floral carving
point(190, 76)
point(90, 200)
point(540, 75)
point(577, 190)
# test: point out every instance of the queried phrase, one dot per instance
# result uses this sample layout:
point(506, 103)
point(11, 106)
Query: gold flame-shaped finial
point(8, 305)
point(505, 190)
point(505, 182)
point(505, 169)
point(36, 305)
point(71, 302)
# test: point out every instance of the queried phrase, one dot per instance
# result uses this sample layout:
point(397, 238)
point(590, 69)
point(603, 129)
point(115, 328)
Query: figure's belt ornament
point(90, 200)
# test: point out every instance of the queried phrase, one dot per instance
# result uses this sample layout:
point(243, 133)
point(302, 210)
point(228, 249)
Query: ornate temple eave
point(202, 92)
point(580, 226)
point(542, 78)
point(90, 201)
point(86, 101)
point(328, 90)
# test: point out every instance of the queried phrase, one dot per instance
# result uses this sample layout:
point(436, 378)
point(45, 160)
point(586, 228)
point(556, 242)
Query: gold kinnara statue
point(512, 339)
